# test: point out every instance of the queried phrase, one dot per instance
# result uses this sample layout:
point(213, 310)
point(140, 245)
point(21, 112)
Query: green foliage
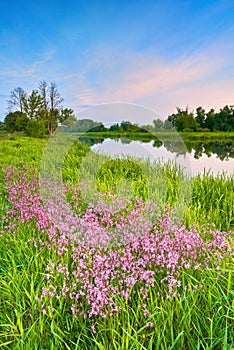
point(2, 126)
point(33, 105)
point(128, 127)
point(224, 120)
point(22, 122)
point(183, 120)
point(11, 121)
point(86, 125)
point(209, 121)
point(36, 128)
point(200, 117)
point(67, 117)
point(158, 124)
point(45, 104)
point(200, 318)
point(42, 107)
point(115, 171)
point(116, 128)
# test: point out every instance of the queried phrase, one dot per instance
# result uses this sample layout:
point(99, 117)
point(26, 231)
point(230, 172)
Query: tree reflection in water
point(222, 149)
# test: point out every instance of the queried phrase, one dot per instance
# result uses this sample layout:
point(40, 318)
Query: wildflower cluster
point(109, 251)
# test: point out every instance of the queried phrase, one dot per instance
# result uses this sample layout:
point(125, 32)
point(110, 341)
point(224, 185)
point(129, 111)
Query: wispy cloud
point(21, 71)
point(200, 78)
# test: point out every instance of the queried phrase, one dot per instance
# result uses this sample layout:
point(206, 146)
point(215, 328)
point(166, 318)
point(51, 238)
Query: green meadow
point(200, 316)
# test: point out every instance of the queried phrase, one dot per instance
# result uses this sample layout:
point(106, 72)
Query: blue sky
point(159, 54)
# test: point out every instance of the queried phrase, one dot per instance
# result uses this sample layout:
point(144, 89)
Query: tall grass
point(201, 316)
point(205, 197)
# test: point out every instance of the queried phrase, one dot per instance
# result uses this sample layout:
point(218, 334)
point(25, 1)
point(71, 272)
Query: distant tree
point(200, 116)
point(126, 125)
point(183, 119)
point(172, 118)
point(114, 127)
point(99, 128)
point(224, 120)
point(17, 97)
point(158, 124)
point(209, 121)
point(186, 122)
point(167, 125)
point(147, 128)
point(88, 125)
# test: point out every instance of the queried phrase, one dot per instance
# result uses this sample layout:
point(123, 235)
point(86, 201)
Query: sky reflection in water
point(214, 156)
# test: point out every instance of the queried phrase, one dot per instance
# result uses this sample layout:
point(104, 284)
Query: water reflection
point(224, 150)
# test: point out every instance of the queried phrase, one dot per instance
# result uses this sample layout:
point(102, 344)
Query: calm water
point(216, 157)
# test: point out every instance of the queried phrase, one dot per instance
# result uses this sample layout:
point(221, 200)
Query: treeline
point(201, 120)
point(38, 113)
point(41, 112)
point(182, 121)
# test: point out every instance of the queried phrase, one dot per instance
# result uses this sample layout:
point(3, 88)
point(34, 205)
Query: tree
point(17, 97)
point(87, 125)
point(67, 117)
point(224, 120)
point(172, 118)
point(51, 100)
point(2, 126)
point(167, 125)
point(99, 128)
point(22, 122)
point(42, 107)
point(33, 105)
point(200, 116)
point(11, 119)
point(183, 120)
point(147, 128)
point(186, 122)
point(36, 128)
point(158, 124)
point(126, 125)
point(114, 127)
point(209, 121)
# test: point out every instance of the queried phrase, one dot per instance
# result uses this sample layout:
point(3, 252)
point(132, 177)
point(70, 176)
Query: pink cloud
point(199, 79)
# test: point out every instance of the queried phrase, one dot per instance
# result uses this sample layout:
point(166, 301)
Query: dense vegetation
point(169, 286)
point(40, 112)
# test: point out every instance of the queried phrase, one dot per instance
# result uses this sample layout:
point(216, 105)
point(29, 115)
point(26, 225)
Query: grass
point(166, 135)
point(200, 318)
point(195, 320)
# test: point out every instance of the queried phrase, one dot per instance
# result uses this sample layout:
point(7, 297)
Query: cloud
point(202, 78)
point(20, 72)
point(107, 74)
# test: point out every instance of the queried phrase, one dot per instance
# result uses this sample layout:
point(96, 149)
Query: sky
point(155, 54)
